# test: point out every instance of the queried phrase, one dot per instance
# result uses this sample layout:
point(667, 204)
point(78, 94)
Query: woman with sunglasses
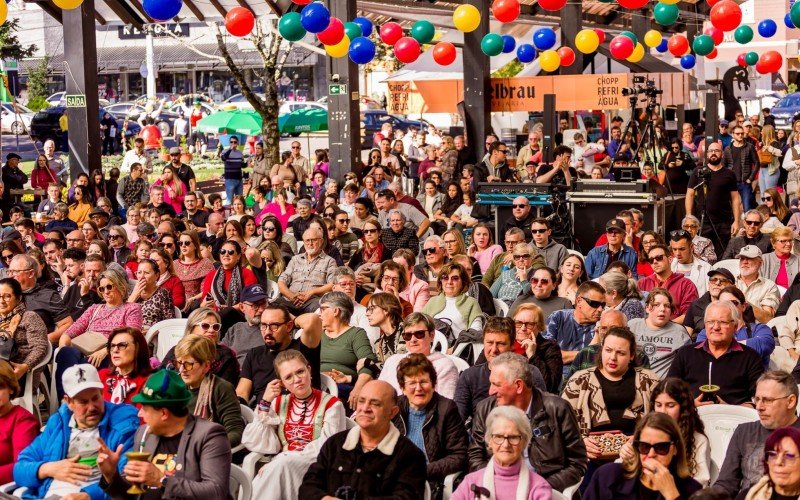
point(777, 208)
point(118, 245)
point(453, 305)
point(271, 230)
point(616, 386)
point(659, 468)
point(513, 283)
point(207, 322)
point(7, 252)
point(222, 287)
point(781, 478)
point(279, 208)
point(167, 278)
point(156, 302)
point(385, 312)
point(174, 190)
point(190, 267)
point(373, 251)
point(129, 367)
point(80, 208)
point(649, 240)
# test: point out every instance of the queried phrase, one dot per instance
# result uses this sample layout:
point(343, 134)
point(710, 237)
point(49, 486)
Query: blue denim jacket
point(597, 260)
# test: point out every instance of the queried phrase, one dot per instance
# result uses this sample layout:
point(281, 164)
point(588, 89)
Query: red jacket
point(683, 291)
point(42, 177)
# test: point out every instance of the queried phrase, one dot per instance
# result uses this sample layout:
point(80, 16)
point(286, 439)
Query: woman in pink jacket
point(418, 291)
point(174, 189)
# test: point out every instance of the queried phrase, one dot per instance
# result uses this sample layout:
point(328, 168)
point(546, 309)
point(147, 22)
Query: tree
point(37, 85)
point(10, 46)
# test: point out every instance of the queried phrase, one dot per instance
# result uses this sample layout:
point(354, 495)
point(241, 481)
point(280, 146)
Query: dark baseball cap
point(253, 293)
point(616, 225)
point(722, 272)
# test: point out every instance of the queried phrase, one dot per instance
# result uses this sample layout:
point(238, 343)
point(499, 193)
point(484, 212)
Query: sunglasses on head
point(644, 448)
point(419, 334)
point(679, 233)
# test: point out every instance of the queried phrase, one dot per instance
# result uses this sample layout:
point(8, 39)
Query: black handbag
point(8, 348)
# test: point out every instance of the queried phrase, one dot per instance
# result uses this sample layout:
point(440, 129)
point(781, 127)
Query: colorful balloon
point(302, 2)
point(239, 21)
point(159, 10)
point(492, 44)
point(61, 4)
point(600, 34)
point(444, 53)
point(290, 27)
point(787, 21)
point(713, 54)
point(633, 4)
point(466, 18)
point(3, 11)
point(407, 50)
point(315, 17)
point(365, 25)
point(333, 34)
point(526, 53)
point(621, 47)
point(549, 60)
point(702, 45)
point(712, 3)
point(631, 35)
point(678, 45)
point(670, 2)
point(390, 33)
point(423, 31)
point(653, 38)
point(751, 58)
point(352, 30)
point(726, 15)
point(716, 34)
point(338, 49)
point(688, 61)
point(509, 44)
point(769, 62)
point(362, 50)
point(505, 11)
point(637, 55)
point(663, 46)
point(743, 34)
point(740, 60)
point(587, 41)
point(665, 14)
point(794, 14)
point(544, 38)
point(566, 55)
point(767, 28)
point(552, 4)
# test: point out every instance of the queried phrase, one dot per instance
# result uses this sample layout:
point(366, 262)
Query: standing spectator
point(132, 189)
point(181, 170)
point(63, 126)
point(300, 163)
point(233, 165)
point(13, 177)
point(42, 176)
point(741, 158)
point(109, 127)
point(136, 155)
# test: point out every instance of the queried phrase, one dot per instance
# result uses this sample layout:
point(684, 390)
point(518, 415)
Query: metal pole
point(149, 61)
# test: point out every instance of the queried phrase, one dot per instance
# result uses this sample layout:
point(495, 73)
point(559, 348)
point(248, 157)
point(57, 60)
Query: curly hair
point(415, 364)
point(688, 420)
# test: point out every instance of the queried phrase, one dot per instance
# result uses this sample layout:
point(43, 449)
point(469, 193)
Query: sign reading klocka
point(128, 32)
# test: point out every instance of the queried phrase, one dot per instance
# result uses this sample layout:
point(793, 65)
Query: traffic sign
point(76, 101)
point(337, 89)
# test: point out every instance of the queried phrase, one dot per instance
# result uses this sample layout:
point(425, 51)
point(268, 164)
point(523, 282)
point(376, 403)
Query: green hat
point(163, 388)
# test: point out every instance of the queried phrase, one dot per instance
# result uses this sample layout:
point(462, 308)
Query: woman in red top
point(18, 427)
point(649, 240)
point(167, 278)
point(42, 175)
point(223, 286)
point(129, 367)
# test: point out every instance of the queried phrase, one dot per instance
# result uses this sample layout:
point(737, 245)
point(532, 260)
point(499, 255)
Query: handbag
point(8, 346)
point(764, 157)
point(90, 342)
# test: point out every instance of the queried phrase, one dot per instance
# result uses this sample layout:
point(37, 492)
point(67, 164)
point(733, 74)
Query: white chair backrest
point(501, 308)
point(177, 313)
point(557, 495)
point(54, 401)
point(272, 291)
point(781, 290)
point(713, 470)
point(720, 422)
point(241, 486)
point(781, 360)
point(328, 385)
point(166, 335)
point(27, 397)
point(247, 414)
point(731, 265)
point(460, 363)
point(439, 342)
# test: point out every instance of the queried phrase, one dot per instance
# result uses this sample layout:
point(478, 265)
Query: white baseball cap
point(79, 378)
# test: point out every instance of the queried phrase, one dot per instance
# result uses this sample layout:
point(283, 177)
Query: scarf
point(373, 255)
point(202, 408)
point(522, 485)
point(230, 297)
point(10, 322)
point(121, 386)
point(163, 278)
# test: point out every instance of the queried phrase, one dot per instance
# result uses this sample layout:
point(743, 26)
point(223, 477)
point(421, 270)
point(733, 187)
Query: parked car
point(60, 99)
point(15, 120)
point(166, 119)
point(238, 101)
point(374, 119)
point(785, 110)
point(290, 106)
point(364, 103)
point(44, 125)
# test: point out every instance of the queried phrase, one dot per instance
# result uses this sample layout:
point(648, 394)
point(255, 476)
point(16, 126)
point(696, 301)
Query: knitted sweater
point(467, 306)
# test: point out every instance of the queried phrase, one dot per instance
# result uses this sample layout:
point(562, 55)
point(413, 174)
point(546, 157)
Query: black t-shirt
point(164, 208)
point(185, 174)
point(199, 219)
point(258, 366)
point(618, 396)
point(715, 195)
point(164, 459)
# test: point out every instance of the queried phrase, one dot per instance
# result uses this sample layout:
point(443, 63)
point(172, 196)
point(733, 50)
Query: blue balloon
point(688, 61)
point(663, 46)
point(526, 53)
point(162, 10)
point(365, 25)
point(767, 28)
point(362, 50)
point(508, 44)
point(544, 38)
point(787, 20)
point(315, 17)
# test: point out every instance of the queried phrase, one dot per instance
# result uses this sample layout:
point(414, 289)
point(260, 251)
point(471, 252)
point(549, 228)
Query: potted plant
point(186, 156)
point(163, 153)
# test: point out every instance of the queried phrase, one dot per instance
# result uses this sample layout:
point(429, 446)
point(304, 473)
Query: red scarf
point(373, 255)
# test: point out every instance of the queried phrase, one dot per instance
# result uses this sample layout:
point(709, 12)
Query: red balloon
point(567, 56)
point(713, 54)
point(390, 33)
point(552, 4)
point(505, 11)
point(302, 2)
point(726, 15)
point(678, 45)
point(716, 34)
point(740, 60)
point(633, 4)
point(406, 50)
point(444, 53)
point(712, 3)
point(769, 62)
point(621, 47)
point(239, 21)
point(600, 34)
point(333, 34)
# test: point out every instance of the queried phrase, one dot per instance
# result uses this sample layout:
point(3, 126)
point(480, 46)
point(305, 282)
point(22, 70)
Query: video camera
point(642, 86)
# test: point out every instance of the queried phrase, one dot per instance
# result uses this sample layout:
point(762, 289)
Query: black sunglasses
point(420, 334)
point(430, 251)
point(594, 304)
point(644, 448)
point(657, 258)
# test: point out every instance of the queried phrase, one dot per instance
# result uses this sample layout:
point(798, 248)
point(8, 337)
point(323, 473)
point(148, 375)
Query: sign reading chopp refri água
point(76, 101)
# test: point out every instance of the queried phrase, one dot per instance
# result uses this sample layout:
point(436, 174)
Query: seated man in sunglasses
point(682, 289)
point(751, 235)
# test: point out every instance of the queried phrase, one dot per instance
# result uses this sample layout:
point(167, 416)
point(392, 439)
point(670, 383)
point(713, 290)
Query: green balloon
point(352, 30)
point(665, 14)
point(751, 58)
point(631, 35)
point(743, 34)
point(290, 27)
point(423, 31)
point(794, 14)
point(703, 45)
point(492, 44)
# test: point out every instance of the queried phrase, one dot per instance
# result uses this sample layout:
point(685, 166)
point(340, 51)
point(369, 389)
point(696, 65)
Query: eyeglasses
point(594, 304)
point(718, 322)
point(273, 327)
point(783, 242)
point(752, 222)
point(657, 258)
point(269, 229)
point(114, 237)
point(768, 401)
point(390, 279)
point(168, 245)
point(295, 147)
point(501, 150)
point(718, 281)
point(529, 325)
point(343, 221)
point(542, 281)
point(227, 252)
point(644, 448)
point(419, 334)
point(519, 205)
point(735, 302)
point(613, 232)
point(538, 231)
point(370, 231)
point(452, 278)
point(449, 242)
point(210, 326)
point(520, 257)
point(766, 198)
point(121, 346)
point(185, 365)
point(8, 256)
point(104, 289)
point(185, 243)
point(774, 456)
point(17, 271)
point(513, 439)
point(311, 240)
point(430, 251)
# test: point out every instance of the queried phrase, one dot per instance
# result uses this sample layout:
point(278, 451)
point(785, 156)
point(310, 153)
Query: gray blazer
point(771, 264)
point(438, 199)
point(204, 463)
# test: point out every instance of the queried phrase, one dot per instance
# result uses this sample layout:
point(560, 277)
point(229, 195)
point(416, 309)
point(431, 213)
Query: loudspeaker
point(589, 218)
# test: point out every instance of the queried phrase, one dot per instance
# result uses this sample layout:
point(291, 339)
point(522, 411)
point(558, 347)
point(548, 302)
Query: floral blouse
point(157, 308)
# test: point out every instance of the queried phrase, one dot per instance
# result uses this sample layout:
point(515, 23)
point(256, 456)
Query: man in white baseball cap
point(46, 470)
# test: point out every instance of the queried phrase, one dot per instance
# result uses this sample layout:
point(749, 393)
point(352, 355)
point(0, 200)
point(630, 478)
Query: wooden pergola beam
point(199, 15)
point(125, 14)
point(99, 18)
point(51, 10)
point(219, 7)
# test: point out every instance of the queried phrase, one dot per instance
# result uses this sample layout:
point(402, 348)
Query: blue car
point(374, 119)
point(785, 110)
point(44, 126)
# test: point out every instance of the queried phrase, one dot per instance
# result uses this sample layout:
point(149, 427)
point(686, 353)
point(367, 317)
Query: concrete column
point(477, 82)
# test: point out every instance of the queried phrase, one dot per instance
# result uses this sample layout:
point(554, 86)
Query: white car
point(17, 121)
point(289, 106)
point(238, 101)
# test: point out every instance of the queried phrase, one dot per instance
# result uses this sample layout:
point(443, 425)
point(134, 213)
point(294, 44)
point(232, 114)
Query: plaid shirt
point(302, 275)
point(407, 238)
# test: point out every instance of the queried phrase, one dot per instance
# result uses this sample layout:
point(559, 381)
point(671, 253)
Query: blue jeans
point(745, 191)
point(233, 187)
point(766, 181)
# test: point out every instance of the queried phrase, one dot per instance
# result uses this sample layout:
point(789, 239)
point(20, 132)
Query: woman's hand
point(207, 302)
point(97, 357)
point(593, 450)
point(627, 453)
point(338, 377)
point(660, 478)
point(137, 291)
point(273, 390)
point(530, 346)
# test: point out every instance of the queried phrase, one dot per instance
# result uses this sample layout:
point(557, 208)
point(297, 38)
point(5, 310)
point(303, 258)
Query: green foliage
point(792, 88)
point(10, 46)
point(38, 103)
point(509, 70)
point(37, 85)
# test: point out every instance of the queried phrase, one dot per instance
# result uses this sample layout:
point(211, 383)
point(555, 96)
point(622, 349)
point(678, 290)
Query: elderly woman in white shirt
point(701, 246)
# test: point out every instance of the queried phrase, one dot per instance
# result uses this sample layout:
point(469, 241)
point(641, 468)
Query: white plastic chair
point(248, 416)
point(165, 335)
point(781, 290)
point(777, 322)
point(731, 265)
point(720, 422)
point(501, 308)
point(55, 403)
point(328, 385)
point(13, 490)
point(449, 482)
point(241, 485)
point(713, 471)
point(569, 491)
point(781, 360)
point(477, 349)
point(26, 400)
point(273, 292)
point(461, 365)
point(178, 313)
point(439, 342)
point(557, 495)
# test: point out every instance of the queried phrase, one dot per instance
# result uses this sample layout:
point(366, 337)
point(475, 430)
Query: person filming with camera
point(719, 205)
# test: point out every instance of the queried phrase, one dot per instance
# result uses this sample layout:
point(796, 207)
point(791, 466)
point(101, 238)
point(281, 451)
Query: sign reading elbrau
point(574, 92)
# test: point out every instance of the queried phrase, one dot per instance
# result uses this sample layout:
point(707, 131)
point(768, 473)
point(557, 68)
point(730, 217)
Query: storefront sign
point(76, 101)
point(128, 32)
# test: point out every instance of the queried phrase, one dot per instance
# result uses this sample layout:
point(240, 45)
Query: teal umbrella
point(231, 122)
point(303, 120)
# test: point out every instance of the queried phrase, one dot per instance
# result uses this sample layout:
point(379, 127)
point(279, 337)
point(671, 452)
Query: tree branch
point(193, 48)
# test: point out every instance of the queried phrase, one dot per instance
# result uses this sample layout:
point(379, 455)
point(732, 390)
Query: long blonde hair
point(767, 135)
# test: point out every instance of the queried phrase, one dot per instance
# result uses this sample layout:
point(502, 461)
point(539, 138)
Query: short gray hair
point(725, 304)
point(29, 263)
point(690, 218)
point(436, 239)
point(515, 416)
point(398, 212)
point(516, 368)
point(783, 379)
point(341, 301)
point(515, 231)
point(342, 272)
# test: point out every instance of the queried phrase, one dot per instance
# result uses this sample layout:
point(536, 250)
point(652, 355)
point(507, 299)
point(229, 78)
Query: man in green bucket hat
point(188, 457)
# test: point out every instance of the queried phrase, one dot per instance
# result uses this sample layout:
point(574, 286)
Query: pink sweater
point(103, 319)
point(18, 428)
point(484, 257)
point(505, 484)
point(417, 293)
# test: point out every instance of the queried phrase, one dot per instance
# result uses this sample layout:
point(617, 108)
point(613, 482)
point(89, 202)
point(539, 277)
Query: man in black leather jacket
point(556, 452)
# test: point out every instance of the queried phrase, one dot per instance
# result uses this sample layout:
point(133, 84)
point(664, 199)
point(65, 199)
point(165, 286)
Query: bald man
point(386, 464)
point(522, 217)
point(76, 239)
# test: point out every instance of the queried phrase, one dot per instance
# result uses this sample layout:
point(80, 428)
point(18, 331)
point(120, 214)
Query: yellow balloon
point(587, 41)
point(669, 2)
point(638, 54)
point(3, 11)
point(340, 49)
point(466, 18)
point(68, 4)
point(549, 60)
point(653, 38)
